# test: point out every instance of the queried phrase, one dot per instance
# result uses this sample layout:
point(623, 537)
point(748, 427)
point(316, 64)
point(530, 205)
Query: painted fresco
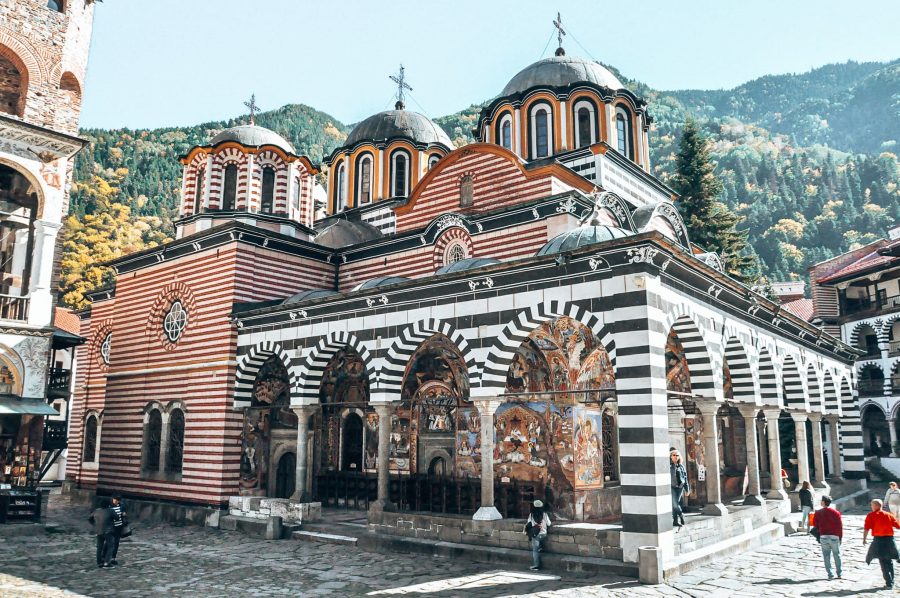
point(269, 410)
point(436, 411)
point(545, 437)
point(678, 376)
point(345, 384)
point(727, 387)
point(468, 443)
point(588, 448)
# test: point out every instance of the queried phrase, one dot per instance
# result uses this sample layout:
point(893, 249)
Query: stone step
point(310, 536)
point(747, 541)
point(496, 555)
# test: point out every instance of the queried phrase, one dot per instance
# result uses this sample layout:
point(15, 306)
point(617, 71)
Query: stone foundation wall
point(290, 511)
point(709, 530)
point(504, 533)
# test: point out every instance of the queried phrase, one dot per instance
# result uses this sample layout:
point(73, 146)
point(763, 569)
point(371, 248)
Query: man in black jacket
point(102, 519)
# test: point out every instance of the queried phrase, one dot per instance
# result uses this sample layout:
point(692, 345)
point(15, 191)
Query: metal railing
point(425, 493)
point(13, 307)
point(894, 348)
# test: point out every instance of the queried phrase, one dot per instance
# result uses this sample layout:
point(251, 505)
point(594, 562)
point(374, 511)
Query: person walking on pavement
point(882, 525)
point(892, 500)
point(536, 527)
point(806, 504)
point(120, 522)
point(102, 520)
point(680, 486)
point(831, 533)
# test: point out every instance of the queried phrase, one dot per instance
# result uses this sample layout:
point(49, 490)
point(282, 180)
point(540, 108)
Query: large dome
point(582, 237)
point(398, 123)
point(253, 136)
point(561, 71)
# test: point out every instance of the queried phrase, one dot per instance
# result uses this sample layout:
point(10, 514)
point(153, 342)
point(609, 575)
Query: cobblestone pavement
point(191, 561)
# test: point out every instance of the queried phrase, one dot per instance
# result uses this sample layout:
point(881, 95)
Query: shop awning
point(24, 406)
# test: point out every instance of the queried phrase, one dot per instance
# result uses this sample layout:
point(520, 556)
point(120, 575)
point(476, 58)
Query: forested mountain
point(808, 160)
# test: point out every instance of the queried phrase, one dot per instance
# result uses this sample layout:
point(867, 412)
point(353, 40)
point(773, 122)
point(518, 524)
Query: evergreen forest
point(808, 162)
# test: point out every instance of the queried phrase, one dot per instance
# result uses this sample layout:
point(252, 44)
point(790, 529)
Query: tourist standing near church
point(806, 504)
point(831, 532)
point(882, 525)
point(680, 486)
point(536, 527)
point(120, 524)
point(892, 500)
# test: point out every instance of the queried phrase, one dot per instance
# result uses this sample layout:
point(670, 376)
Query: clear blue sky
point(181, 62)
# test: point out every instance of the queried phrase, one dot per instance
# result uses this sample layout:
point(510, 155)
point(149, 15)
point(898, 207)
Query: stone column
point(892, 426)
point(301, 492)
point(776, 486)
point(762, 444)
point(384, 411)
point(800, 418)
point(748, 412)
point(486, 409)
point(835, 446)
point(818, 456)
point(708, 410)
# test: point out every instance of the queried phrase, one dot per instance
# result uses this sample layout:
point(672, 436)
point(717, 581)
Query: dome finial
point(560, 32)
point(402, 87)
point(251, 105)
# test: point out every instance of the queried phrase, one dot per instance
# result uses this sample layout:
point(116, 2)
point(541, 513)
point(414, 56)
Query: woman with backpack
point(536, 527)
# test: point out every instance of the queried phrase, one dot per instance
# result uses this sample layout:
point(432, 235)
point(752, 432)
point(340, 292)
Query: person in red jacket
point(831, 531)
point(882, 525)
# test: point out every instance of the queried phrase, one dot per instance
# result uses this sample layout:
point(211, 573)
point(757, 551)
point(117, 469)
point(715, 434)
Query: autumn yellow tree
point(91, 241)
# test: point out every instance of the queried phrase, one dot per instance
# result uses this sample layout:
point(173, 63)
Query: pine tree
point(710, 223)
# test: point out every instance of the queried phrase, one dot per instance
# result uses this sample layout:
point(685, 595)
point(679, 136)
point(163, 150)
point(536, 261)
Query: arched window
point(13, 84)
point(504, 136)
point(229, 189)
point(267, 201)
point(199, 190)
point(585, 124)
point(56, 5)
point(296, 198)
point(152, 440)
point(399, 174)
point(175, 452)
point(18, 202)
point(340, 188)
point(364, 177)
point(456, 252)
point(466, 191)
point(541, 131)
point(432, 160)
point(623, 132)
point(90, 439)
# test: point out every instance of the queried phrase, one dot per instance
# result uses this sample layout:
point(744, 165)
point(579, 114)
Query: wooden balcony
point(55, 435)
point(59, 383)
point(13, 308)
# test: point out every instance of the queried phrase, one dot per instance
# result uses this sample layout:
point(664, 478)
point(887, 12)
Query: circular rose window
point(175, 321)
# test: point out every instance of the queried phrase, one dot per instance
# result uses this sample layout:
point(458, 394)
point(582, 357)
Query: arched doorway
point(438, 467)
point(285, 476)
point(18, 211)
point(876, 433)
point(685, 422)
point(269, 427)
point(352, 443)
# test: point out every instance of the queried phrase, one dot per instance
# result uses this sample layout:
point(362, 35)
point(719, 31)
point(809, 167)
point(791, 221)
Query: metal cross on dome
point(251, 105)
point(560, 32)
point(402, 86)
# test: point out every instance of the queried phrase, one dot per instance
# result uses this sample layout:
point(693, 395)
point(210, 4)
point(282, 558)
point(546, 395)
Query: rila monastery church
point(439, 335)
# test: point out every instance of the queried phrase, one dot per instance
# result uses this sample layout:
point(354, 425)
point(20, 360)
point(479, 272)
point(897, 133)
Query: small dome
point(582, 237)
point(561, 71)
point(343, 233)
point(308, 294)
point(380, 282)
point(467, 264)
point(398, 123)
point(253, 136)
